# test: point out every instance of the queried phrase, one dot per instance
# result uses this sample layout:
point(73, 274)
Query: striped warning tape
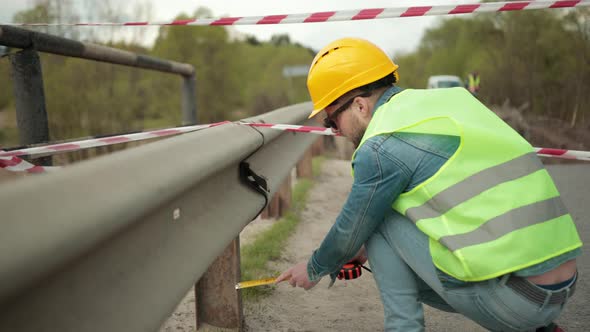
point(293, 128)
point(543, 152)
point(9, 159)
point(347, 15)
point(16, 164)
point(104, 141)
point(561, 153)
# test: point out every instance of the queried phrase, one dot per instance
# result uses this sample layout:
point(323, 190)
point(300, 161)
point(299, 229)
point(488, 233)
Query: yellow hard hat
point(343, 65)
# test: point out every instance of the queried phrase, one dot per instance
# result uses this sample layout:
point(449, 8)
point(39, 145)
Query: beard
point(357, 137)
point(357, 132)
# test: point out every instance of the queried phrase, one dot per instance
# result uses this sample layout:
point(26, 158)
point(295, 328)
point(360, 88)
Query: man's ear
point(362, 105)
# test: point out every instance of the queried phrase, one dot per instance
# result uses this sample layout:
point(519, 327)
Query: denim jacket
point(386, 166)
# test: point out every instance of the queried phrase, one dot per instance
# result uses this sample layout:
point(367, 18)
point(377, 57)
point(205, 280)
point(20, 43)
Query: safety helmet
point(343, 65)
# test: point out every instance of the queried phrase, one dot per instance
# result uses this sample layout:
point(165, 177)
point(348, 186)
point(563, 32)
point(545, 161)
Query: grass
point(316, 165)
point(269, 244)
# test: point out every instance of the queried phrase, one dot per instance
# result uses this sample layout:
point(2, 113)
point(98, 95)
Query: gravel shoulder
point(355, 305)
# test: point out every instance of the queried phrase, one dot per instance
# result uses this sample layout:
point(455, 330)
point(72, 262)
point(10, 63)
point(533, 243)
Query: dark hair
point(368, 88)
point(380, 83)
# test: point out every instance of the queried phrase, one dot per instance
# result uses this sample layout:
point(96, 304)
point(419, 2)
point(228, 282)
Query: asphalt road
point(573, 182)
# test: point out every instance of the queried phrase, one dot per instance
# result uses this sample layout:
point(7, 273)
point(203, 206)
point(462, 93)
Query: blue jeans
point(400, 258)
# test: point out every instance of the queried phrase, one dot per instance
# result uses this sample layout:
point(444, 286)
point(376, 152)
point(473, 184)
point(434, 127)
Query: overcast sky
point(394, 35)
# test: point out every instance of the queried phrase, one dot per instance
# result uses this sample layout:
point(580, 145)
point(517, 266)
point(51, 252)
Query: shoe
point(550, 328)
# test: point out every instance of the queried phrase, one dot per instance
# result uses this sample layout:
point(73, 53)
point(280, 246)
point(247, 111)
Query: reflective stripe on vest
point(492, 196)
point(510, 221)
point(474, 185)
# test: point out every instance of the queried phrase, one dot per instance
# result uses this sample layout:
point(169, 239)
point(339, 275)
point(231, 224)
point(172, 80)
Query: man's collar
point(386, 96)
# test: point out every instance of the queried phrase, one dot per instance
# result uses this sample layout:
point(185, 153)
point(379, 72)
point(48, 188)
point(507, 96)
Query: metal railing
point(114, 243)
point(27, 76)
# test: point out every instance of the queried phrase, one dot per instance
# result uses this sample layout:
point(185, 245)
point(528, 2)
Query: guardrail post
point(272, 209)
point(318, 147)
point(279, 203)
point(284, 196)
point(29, 96)
point(304, 166)
point(217, 302)
point(189, 100)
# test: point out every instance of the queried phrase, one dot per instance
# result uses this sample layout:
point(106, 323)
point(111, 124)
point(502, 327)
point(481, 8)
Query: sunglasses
point(330, 120)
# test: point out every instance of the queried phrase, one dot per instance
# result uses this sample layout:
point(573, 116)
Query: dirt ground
point(347, 306)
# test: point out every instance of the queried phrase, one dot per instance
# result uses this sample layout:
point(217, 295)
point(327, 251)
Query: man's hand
point(297, 277)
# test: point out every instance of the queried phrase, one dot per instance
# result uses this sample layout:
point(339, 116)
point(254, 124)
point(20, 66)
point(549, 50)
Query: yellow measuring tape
point(254, 283)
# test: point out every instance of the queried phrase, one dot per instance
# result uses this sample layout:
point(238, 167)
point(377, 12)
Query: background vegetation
point(537, 58)
point(237, 77)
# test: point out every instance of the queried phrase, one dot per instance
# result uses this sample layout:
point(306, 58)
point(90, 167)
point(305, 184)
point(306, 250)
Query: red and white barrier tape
point(542, 152)
point(97, 142)
point(16, 164)
point(347, 15)
point(10, 161)
point(293, 128)
point(561, 153)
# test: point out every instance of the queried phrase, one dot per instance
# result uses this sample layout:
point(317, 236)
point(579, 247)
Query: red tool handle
point(350, 270)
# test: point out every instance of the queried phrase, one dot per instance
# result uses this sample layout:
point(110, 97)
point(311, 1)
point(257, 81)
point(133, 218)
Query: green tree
point(545, 68)
point(209, 50)
point(235, 78)
point(280, 40)
point(51, 11)
point(578, 62)
point(263, 65)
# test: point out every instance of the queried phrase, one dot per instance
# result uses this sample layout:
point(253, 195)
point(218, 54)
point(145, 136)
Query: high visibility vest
point(473, 83)
point(492, 208)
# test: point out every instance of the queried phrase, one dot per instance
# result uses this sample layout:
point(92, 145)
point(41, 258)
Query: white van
point(444, 81)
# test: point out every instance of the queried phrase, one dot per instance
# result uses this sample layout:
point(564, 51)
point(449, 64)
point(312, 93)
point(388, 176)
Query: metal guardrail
point(42, 42)
point(28, 78)
point(113, 244)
